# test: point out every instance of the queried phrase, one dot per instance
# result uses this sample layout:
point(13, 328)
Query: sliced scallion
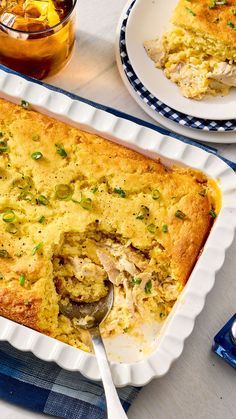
point(42, 220)
point(26, 196)
point(95, 189)
point(148, 287)
point(11, 228)
point(135, 281)
point(143, 213)
point(22, 280)
point(120, 192)
point(4, 254)
point(37, 248)
point(8, 216)
point(212, 213)
point(61, 151)
point(86, 203)
point(165, 228)
point(63, 192)
point(36, 155)
point(180, 214)
point(42, 200)
point(156, 194)
point(24, 104)
point(152, 228)
point(3, 147)
point(36, 138)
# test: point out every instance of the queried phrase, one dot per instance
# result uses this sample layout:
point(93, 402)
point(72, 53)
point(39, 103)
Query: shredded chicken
point(109, 264)
point(84, 267)
point(225, 73)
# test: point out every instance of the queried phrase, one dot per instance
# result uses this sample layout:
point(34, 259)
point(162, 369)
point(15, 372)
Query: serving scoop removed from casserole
point(76, 211)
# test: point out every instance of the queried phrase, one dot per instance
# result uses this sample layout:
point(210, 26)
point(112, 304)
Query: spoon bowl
point(90, 316)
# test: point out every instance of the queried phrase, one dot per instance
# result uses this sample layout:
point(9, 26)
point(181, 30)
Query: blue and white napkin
point(45, 387)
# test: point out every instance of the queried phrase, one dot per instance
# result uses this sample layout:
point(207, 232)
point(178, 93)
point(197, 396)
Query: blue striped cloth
point(45, 387)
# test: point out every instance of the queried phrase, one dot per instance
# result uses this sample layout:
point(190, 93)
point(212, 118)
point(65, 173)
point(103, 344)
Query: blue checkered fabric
point(158, 106)
point(44, 387)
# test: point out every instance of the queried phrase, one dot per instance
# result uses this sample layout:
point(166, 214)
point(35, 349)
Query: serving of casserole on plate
point(190, 54)
point(78, 210)
point(199, 52)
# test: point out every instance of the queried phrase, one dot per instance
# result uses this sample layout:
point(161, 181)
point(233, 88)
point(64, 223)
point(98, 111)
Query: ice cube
point(29, 25)
point(8, 19)
point(35, 8)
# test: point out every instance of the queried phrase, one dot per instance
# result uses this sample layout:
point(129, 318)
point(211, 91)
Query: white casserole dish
point(165, 346)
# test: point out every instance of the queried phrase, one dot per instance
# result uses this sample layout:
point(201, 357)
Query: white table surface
point(198, 385)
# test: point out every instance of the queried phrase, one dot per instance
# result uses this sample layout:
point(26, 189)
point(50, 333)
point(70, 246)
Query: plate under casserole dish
point(167, 345)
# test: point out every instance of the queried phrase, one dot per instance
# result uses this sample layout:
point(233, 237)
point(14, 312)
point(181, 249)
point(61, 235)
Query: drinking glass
point(31, 46)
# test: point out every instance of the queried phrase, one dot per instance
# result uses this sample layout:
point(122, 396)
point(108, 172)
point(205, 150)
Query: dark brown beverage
point(36, 36)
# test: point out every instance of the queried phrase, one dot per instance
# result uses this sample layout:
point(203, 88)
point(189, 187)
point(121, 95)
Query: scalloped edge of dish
point(180, 322)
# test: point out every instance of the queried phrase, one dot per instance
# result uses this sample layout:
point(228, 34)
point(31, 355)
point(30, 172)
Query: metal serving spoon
point(90, 316)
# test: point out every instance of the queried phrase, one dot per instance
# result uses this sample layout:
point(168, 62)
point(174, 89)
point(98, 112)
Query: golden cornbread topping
point(77, 210)
point(199, 53)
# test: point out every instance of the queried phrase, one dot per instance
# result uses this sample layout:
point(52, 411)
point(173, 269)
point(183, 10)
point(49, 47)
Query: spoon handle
point(114, 406)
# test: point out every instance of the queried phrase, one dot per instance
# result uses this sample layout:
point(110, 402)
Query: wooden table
point(199, 385)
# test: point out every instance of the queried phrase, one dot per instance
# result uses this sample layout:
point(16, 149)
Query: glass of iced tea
point(36, 36)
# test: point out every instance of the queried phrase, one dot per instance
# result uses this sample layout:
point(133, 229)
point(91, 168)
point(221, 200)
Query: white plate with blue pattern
point(196, 134)
point(147, 20)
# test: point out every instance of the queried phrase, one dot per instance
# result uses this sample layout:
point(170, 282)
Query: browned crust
point(206, 20)
point(182, 245)
point(21, 307)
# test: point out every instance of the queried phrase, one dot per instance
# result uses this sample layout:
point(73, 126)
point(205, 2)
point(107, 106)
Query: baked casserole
point(77, 210)
point(199, 53)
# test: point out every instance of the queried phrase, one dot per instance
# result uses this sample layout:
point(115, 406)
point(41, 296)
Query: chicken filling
point(83, 265)
point(186, 61)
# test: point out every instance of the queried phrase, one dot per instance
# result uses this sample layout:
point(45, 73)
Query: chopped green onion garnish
point(152, 228)
point(143, 213)
point(136, 281)
point(231, 25)
point(95, 189)
point(42, 219)
point(22, 280)
point(120, 192)
point(36, 137)
point(36, 248)
point(8, 216)
point(4, 253)
point(26, 196)
point(36, 155)
point(156, 194)
point(148, 287)
point(180, 214)
point(42, 200)
point(61, 151)
point(212, 213)
point(86, 203)
point(233, 11)
point(217, 3)
point(25, 104)
point(11, 228)
point(63, 192)
point(190, 11)
point(3, 147)
point(165, 228)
